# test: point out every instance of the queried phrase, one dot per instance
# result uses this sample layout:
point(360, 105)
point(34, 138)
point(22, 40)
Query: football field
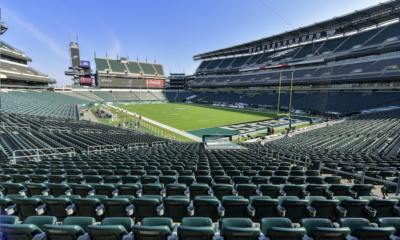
point(193, 117)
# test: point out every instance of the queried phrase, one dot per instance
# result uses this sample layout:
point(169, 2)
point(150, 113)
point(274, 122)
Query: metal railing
point(55, 128)
point(38, 155)
point(117, 132)
point(87, 130)
point(132, 146)
point(16, 125)
point(103, 148)
point(159, 143)
point(362, 177)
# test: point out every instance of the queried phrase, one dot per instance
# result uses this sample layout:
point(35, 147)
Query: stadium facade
point(14, 70)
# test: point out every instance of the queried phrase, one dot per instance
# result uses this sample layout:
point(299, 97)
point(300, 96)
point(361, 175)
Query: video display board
point(75, 57)
point(105, 81)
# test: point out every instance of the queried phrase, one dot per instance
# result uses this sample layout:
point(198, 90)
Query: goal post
point(290, 100)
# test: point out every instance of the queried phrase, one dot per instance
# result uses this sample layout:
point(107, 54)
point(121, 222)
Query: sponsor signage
point(86, 80)
point(155, 82)
point(108, 81)
point(275, 66)
point(85, 64)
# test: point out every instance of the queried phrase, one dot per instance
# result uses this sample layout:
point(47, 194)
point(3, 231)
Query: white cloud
point(116, 46)
point(38, 35)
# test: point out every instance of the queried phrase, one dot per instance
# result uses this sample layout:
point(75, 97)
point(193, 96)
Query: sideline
point(185, 134)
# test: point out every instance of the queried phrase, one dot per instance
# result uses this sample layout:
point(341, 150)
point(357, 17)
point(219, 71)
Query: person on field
point(239, 138)
point(311, 121)
point(273, 131)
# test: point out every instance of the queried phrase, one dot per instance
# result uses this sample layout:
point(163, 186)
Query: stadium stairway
point(185, 134)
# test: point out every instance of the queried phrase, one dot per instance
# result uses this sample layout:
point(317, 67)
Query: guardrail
point(117, 132)
point(38, 155)
point(159, 143)
point(86, 130)
point(16, 125)
point(103, 148)
point(132, 146)
point(362, 176)
point(55, 128)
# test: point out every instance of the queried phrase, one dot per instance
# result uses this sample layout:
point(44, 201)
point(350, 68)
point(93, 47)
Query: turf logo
point(179, 108)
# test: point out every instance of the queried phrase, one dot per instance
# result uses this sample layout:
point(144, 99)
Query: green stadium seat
point(119, 206)
point(8, 207)
point(154, 228)
point(234, 207)
point(362, 229)
point(320, 207)
point(153, 189)
point(239, 228)
point(61, 207)
point(129, 189)
point(71, 228)
point(293, 190)
point(262, 207)
point(280, 229)
point(58, 179)
point(256, 180)
point(199, 189)
point(350, 208)
point(339, 190)
point(148, 206)
point(272, 191)
point(206, 206)
point(315, 190)
point(40, 221)
point(380, 208)
point(320, 229)
point(390, 222)
point(196, 228)
point(58, 189)
point(247, 190)
point(220, 190)
point(220, 179)
point(177, 189)
point(9, 219)
point(294, 208)
point(82, 189)
point(106, 189)
point(14, 188)
point(176, 207)
point(111, 228)
point(40, 179)
point(91, 206)
point(30, 207)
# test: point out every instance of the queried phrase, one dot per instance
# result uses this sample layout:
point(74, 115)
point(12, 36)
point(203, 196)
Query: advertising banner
point(105, 81)
point(85, 64)
point(155, 82)
point(86, 80)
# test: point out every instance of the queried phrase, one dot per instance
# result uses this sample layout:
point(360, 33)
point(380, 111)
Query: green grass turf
point(106, 121)
point(196, 116)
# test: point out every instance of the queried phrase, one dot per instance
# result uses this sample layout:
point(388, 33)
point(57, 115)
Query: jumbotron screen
point(105, 81)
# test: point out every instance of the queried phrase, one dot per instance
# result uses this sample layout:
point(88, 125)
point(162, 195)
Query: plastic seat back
point(239, 228)
point(196, 228)
point(206, 206)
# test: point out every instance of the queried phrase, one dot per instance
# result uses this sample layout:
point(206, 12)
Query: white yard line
point(185, 134)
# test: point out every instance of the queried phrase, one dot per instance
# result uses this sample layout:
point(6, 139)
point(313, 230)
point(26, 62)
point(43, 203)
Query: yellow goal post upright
point(290, 101)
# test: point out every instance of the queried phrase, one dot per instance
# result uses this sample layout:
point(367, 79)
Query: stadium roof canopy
point(3, 28)
point(355, 21)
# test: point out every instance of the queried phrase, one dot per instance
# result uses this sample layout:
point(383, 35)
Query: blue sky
point(170, 31)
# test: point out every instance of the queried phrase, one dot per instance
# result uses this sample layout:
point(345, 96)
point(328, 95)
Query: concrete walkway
point(185, 134)
point(91, 116)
